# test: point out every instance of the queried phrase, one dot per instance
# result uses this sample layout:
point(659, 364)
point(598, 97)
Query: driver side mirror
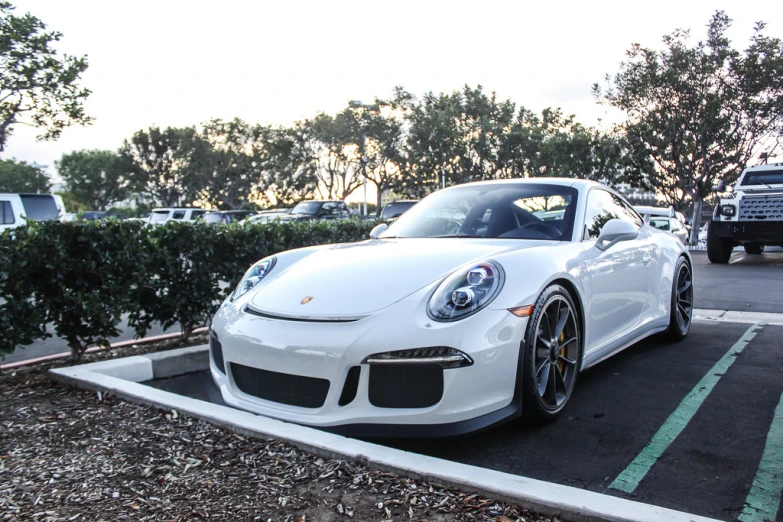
point(378, 230)
point(721, 187)
point(614, 231)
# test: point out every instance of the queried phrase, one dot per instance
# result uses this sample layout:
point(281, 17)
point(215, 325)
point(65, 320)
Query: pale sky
point(180, 63)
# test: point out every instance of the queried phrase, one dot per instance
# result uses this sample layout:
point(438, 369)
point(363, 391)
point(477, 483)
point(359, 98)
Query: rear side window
point(40, 207)
point(159, 216)
point(196, 213)
point(178, 214)
point(6, 213)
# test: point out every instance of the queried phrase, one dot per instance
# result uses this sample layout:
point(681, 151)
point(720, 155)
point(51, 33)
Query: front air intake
point(405, 385)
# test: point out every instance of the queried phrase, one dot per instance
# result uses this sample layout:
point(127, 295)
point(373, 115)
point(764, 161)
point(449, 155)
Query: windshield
point(40, 207)
point(498, 210)
point(307, 207)
point(763, 177)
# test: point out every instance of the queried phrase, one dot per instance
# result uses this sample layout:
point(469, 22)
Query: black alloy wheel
point(681, 313)
point(553, 353)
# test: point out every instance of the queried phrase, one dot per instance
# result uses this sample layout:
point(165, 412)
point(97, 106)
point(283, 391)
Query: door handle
point(647, 259)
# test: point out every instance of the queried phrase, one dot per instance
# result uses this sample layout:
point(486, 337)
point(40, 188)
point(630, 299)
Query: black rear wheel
point(753, 248)
point(553, 345)
point(718, 248)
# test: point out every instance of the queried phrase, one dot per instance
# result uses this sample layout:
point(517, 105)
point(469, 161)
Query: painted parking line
point(633, 474)
point(764, 496)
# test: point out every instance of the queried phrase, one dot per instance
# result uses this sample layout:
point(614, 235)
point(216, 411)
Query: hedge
point(84, 277)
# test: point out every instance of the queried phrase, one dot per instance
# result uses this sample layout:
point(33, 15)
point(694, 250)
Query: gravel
point(68, 454)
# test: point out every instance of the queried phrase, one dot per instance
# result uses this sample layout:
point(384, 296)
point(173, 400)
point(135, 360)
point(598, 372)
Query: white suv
point(160, 216)
point(18, 209)
point(751, 215)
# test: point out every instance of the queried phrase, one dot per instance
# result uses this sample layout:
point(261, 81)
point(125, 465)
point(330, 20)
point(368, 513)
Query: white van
point(18, 209)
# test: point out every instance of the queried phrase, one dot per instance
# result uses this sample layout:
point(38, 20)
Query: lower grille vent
point(405, 385)
point(294, 390)
point(216, 349)
point(350, 386)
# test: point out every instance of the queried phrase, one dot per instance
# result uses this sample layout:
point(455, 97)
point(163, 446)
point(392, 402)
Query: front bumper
point(760, 231)
point(308, 354)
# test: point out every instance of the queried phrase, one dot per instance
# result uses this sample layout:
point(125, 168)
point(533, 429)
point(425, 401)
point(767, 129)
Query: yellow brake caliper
point(560, 363)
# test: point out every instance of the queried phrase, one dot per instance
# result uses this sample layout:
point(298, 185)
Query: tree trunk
point(76, 353)
point(695, 221)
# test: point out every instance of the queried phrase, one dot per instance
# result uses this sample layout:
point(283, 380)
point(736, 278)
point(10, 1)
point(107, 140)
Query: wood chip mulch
point(68, 454)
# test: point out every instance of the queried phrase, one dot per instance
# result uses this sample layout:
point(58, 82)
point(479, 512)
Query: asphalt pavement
point(750, 283)
point(54, 345)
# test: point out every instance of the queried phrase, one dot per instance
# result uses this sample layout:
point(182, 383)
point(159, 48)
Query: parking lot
point(687, 426)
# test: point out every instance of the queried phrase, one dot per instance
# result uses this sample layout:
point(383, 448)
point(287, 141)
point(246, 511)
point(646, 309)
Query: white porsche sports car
point(480, 304)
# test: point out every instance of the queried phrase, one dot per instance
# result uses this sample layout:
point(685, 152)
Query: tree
point(168, 164)
point(289, 169)
point(234, 163)
point(18, 176)
point(460, 136)
point(334, 162)
point(699, 113)
point(38, 87)
point(95, 178)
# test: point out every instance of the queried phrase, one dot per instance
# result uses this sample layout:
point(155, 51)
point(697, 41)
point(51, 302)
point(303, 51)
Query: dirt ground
point(68, 454)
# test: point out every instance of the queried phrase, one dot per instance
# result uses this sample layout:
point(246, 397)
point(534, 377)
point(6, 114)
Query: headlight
point(253, 276)
point(728, 210)
point(466, 291)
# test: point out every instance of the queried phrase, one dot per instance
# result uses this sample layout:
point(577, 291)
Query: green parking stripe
point(629, 479)
point(764, 496)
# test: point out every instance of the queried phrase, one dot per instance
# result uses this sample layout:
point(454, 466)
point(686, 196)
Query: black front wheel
point(718, 248)
point(681, 313)
point(553, 346)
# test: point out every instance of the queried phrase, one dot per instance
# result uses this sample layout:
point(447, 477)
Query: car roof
point(769, 166)
point(565, 182)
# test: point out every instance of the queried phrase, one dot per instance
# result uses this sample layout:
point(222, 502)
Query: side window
point(196, 213)
point(329, 208)
point(178, 214)
point(603, 206)
point(6, 213)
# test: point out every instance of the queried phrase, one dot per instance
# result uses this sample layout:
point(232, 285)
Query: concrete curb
point(123, 377)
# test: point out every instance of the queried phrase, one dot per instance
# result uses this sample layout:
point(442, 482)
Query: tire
point(718, 248)
point(550, 370)
point(681, 309)
point(753, 248)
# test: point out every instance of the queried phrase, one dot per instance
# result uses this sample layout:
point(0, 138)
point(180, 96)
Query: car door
point(619, 276)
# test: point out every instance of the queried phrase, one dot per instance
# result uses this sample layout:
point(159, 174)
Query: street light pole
point(358, 104)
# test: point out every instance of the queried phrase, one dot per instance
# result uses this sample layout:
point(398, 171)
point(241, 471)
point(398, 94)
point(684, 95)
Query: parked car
point(264, 216)
point(92, 215)
point(666, 219)
point(395, 209)
point(18, 209)
point(160, 216)
point(445, 325)
point(225, 217)
point(672, 225)
point(751, 215)
point(307, 210)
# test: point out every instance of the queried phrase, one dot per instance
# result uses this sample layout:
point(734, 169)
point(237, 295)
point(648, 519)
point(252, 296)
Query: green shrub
point(81, 277)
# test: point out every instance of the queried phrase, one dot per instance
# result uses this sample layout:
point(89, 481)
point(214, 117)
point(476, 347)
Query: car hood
point(350, 280)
